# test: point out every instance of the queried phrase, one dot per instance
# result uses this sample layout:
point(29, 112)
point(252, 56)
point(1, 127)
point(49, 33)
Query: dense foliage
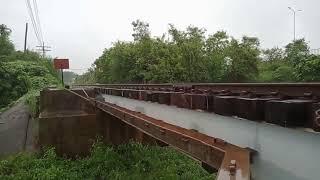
point(21, 72)
point(193, 56)
point(130, 161)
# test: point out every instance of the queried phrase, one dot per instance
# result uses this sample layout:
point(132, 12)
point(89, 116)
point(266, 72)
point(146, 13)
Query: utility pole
point(25, 38)
point(43, 49)
point(62, 77)
point(294, 21)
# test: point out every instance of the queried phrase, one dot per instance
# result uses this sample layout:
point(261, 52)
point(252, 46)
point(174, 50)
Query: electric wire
point(34, 23)
point(38, 19)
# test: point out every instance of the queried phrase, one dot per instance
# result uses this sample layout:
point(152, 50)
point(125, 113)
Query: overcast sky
point(81, 29)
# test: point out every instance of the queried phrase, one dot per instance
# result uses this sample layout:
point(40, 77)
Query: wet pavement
point(14, 129)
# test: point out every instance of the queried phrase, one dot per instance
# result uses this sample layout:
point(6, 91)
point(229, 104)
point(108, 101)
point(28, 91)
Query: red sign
point(61, 63)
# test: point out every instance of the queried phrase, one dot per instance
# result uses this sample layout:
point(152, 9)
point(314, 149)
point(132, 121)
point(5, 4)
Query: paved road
point(13, 129)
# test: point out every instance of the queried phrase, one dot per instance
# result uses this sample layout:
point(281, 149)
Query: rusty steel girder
point(215, 152)
point(232, 162)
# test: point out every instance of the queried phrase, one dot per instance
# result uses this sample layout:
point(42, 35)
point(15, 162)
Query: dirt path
point(14, 128)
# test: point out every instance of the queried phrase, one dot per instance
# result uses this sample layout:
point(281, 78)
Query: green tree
point(21, 72)
point(191, 49)
point(243, 59)
point(308, 70)
point(274, 54)
point(6, 46)
point(217, 55)
point(191, 56)
point(297, 51)
point(140, 30)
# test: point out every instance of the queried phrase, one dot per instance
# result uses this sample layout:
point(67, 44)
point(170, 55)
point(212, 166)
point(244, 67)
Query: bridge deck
point(282, 153)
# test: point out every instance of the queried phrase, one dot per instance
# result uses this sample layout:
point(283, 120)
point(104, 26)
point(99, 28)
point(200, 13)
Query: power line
point(37, 18)
point(34, 24)
point(32, 20)
point(34, 16)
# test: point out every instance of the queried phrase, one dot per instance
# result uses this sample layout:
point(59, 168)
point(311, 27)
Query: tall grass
point(129, 161)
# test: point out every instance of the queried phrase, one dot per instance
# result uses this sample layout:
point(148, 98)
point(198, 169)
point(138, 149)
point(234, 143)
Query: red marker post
point(61, 64)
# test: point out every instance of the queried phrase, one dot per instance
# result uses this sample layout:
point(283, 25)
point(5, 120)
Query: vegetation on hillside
point(193, 56)
point(129, 161)
point(22, 72)
point(25, 74)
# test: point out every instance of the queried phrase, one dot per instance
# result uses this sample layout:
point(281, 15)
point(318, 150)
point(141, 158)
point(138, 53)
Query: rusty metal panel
point(288, 113)
point(146, 95)
point(155, 96)
point(181, 100)
point(71, 135)
point(116, 92)
point(199, 101)
point(224, 105)
point(251, 108)
point(164, 98)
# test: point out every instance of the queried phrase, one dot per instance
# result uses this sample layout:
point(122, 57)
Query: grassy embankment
point(129, 161)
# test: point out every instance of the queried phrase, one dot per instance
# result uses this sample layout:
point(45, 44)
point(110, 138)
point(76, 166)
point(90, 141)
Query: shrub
point(128, 161)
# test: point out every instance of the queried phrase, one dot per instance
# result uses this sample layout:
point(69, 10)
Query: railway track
point(293, 105)
point(123, 112)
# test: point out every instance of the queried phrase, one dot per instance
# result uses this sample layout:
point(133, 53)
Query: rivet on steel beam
point(146, 124)
point(162, 131)
point(307, 94)
point(185, 140)
point(274, 93)
point(243, 93)
point(224, 91)
point(232, 167)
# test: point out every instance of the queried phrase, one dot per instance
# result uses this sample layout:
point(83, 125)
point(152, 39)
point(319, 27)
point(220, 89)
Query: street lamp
point(294, 21)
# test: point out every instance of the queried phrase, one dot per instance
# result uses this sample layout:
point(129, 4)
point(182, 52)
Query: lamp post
point(294, 21)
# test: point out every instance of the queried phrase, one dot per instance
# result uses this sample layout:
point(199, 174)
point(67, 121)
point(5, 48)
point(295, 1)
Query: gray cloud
point(81, 29)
